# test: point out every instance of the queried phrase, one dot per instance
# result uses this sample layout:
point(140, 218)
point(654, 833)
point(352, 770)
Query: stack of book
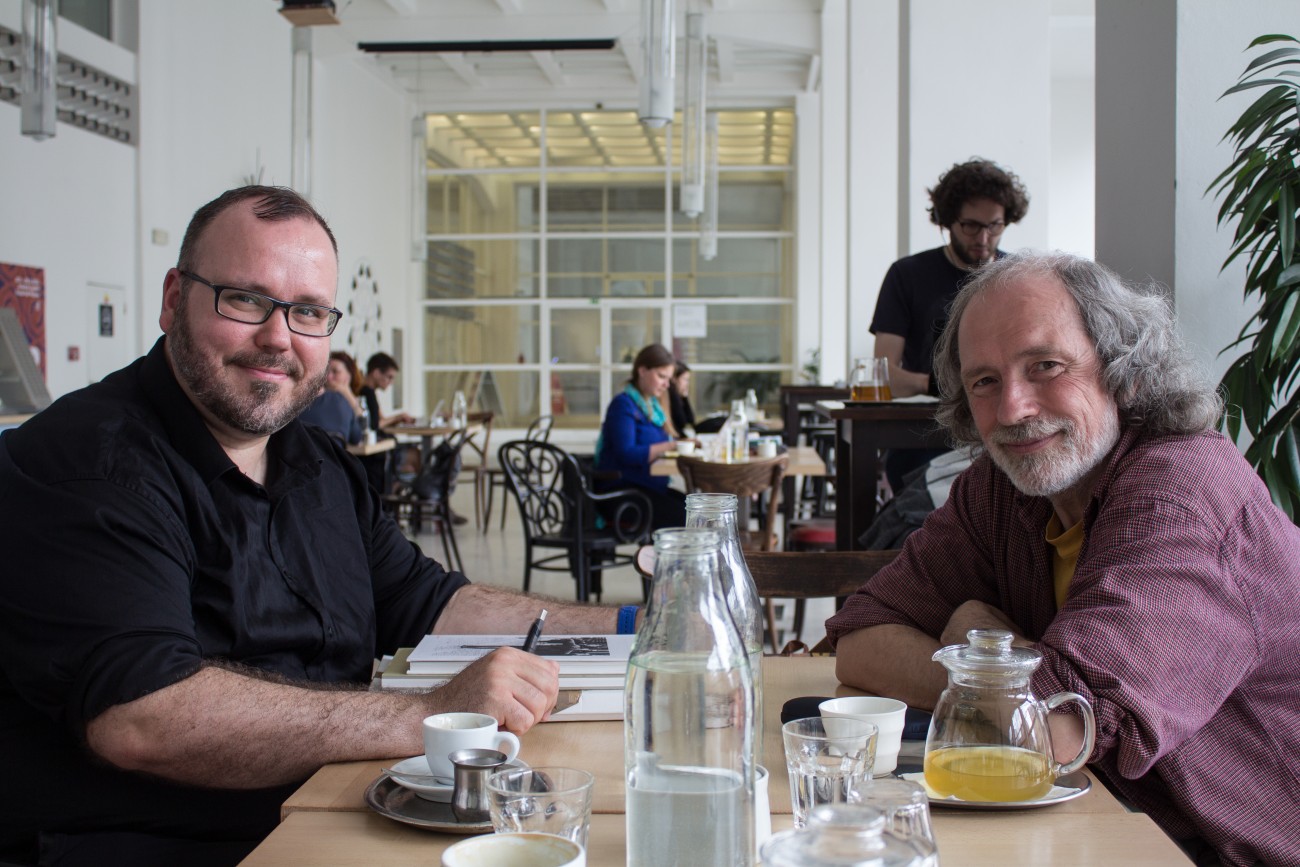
point(593, 668)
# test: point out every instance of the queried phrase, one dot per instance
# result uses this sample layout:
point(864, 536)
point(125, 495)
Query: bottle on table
point(735, 431)
point(751, 406)
point(720, 512)
point(689, 728)
point(459, 411)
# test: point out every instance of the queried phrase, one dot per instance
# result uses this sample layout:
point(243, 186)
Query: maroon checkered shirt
point(1182, 627)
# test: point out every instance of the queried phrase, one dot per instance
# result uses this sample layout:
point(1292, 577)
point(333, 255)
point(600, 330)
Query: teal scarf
point(652, 409)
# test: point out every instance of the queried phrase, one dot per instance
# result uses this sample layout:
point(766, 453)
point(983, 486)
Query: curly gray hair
point(1158, 386)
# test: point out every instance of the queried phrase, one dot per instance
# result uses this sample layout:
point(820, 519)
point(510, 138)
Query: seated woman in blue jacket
point(635, 434)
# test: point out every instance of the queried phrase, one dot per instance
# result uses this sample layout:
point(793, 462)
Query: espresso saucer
point(436, 789)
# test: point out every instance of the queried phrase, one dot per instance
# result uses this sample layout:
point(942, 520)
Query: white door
point(108, 331)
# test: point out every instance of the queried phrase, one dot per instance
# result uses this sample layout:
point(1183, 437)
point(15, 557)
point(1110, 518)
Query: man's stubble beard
point(257, 412)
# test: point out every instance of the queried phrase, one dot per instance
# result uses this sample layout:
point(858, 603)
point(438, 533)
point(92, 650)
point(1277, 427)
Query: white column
point(834, 203)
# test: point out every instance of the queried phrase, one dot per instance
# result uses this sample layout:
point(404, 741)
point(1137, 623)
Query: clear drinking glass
point(550, 800)
point(828, 760)
point(870, 380)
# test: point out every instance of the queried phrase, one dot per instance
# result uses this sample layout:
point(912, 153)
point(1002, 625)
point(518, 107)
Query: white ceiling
point(762, 51)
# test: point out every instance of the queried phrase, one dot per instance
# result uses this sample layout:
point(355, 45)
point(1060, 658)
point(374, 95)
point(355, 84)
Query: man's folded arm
point(892, 660)
point(237, 728)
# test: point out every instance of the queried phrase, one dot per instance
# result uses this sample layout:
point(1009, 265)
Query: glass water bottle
point(720, 512)
point(459, 411)
point(689, 725)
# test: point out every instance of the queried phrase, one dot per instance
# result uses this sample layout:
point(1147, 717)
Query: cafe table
point(804, 461)
point(862, 431)
point(327, 824)
point(362, 449)
point(429, 433)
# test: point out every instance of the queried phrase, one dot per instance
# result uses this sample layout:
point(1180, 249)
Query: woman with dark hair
point(679, 402)
point(336, 410)
point(634, 435)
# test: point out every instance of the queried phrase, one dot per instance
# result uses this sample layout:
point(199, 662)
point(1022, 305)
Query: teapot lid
point(989, 651)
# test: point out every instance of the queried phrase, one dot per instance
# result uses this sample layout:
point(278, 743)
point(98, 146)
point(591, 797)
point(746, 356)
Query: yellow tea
point(870, 392)
point(988, 773)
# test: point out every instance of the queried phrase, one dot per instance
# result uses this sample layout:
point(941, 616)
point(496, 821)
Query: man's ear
point(171, 299)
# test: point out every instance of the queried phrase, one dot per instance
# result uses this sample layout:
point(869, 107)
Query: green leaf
point(1284, 327)
point(1269, 38)
point(1270, 56)
point(1285, 224)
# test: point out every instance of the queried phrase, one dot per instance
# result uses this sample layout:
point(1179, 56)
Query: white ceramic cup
point(886, 714)
point(527, 849)
point(445, 733)
point(686, 448)
point(767, 448)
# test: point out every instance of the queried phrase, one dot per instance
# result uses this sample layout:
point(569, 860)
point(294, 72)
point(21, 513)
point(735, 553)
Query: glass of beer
point(870, 380)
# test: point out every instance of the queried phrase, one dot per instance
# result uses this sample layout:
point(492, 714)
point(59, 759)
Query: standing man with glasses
point(974, 202)
point(197, 584)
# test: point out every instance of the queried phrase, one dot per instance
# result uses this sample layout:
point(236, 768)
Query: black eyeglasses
point(972, 228)
point(254, 308)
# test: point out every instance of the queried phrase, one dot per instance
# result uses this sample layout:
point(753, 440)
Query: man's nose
point(274, 333)
point(1017, 402)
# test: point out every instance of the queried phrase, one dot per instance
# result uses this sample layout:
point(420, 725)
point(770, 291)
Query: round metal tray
point(389, 799)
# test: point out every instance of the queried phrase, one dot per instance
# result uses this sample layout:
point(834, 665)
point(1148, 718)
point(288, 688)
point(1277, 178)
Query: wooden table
point(362, 449)
point(428, 434)
point(804, 461)
point(326, 823)
point(861, 432)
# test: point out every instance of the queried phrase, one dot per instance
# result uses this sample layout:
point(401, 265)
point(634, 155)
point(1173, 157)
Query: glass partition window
point(555, 250)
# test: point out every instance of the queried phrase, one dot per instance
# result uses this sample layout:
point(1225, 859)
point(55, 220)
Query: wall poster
point(22, 288)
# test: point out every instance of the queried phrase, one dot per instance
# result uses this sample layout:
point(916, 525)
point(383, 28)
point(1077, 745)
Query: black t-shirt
point(913, 303)
point(135, 549)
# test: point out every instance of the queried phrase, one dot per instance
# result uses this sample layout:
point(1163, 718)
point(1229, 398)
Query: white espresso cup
point(886, 714)
point(686, 448)
point(445, 733)
point(523, 849)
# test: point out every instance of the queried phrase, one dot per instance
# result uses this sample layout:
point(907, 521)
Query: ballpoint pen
point(535, 632)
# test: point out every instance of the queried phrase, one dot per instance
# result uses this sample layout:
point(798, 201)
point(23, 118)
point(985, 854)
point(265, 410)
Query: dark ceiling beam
point(488, 46)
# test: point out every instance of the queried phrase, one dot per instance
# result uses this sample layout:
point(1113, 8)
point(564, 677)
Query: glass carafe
point(689, 726)
point(845, 835)
point(719, 512)
point(989, 740)
point(736, 435)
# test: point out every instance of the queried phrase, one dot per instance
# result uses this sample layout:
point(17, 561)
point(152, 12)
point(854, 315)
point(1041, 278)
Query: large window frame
point(677, 288)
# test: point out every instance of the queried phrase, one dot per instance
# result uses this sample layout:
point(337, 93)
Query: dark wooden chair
point(560, 511)
point(538, 431)
point(745, 480)
point(428, 495)
point(802, 575)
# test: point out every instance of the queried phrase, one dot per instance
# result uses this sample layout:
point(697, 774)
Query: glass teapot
point(989, 739)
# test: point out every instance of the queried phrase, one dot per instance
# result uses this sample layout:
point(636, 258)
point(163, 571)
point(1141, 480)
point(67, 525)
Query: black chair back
point(559, 510)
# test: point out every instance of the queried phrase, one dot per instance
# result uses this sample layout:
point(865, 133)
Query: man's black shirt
point(135, 550)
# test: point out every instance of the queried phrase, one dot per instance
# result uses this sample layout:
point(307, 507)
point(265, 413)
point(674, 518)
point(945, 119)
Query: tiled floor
point(497, 557)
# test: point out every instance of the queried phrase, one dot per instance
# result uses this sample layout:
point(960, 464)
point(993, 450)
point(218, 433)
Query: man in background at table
point(197, 583)
point(1108, 526)
point(974, 201)
point(381, 369)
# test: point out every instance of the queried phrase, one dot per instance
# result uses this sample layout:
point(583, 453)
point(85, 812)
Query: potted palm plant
point(1260, 190)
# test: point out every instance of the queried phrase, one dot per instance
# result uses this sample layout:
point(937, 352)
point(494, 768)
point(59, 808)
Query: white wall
point(980, 86)
point(68, 207)
point(1212, 40)
point(215, 95)
point(1161, 67)
point(361, 182)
